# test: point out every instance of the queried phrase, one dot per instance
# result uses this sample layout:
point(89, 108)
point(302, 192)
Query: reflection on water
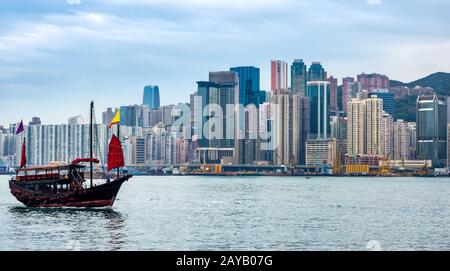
point(100, 220)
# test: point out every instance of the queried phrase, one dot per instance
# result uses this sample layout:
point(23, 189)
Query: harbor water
point(242, 213)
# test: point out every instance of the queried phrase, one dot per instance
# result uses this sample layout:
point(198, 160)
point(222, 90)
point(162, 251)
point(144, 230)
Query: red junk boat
point(64, 185)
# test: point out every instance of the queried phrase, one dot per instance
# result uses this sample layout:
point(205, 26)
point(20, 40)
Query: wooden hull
point(99, 196)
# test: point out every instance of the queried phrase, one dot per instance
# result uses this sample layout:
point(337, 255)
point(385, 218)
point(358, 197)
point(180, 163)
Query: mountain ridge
point(439, 81)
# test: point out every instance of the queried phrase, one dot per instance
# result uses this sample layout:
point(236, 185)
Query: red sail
point(115, 154)
point(23, 160)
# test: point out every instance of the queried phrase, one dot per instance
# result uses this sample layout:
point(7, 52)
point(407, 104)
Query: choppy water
point(252, 213)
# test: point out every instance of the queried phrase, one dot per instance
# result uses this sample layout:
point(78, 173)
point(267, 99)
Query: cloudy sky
point(57, 55)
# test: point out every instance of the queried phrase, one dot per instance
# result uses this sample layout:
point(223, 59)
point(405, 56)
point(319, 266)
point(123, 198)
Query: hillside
point(406, 107)
point(439, 81)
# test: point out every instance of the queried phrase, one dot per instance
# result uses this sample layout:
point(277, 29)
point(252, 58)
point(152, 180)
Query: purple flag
point(20, 128)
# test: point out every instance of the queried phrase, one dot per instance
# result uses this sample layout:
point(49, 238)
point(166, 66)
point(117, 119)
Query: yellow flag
point(116, 119)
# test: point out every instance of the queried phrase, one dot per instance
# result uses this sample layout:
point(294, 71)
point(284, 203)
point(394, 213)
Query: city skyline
point(53, 51)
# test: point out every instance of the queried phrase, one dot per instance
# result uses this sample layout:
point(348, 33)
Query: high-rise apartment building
point(364, 126)
point(400, 141)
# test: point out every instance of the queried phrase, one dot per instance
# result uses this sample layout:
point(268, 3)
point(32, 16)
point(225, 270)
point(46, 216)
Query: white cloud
point(73, 2)
point(374, 2)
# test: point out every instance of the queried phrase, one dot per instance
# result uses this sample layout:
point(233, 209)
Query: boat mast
point(118, 136)
point(91, 131)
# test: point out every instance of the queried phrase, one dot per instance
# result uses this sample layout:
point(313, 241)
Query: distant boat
point(64, 185)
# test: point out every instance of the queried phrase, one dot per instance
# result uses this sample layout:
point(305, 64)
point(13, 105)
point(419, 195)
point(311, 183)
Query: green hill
point(439, 81)
point(406, 107)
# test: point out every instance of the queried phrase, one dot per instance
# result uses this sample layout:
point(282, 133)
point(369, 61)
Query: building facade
point(432, 129)
point(151, 97)
point(318, 93)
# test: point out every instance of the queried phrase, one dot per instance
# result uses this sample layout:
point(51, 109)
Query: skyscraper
point(400, 146)
point(318, 93)
point(151, 97)
point(316, 72)
point(347, 83)
point(221, 89)
point(279, 76)
point(249, 93)
point(386, 135)
point(374, 111)
point(291, 125)
point(364, 126)
point(432, 129)
point(299, 77)
point(333, 95)
point(249, 85)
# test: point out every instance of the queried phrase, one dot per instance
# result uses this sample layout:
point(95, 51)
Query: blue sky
point(57, 55)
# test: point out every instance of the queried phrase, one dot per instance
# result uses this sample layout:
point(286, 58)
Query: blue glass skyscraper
point(316, 72)
point(151, 97)
point(318, 93)
point(249, 88)
point(299, 77)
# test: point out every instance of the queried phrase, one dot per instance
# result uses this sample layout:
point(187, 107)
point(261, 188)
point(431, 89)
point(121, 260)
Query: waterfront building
point(249, 94)
point(448, 145)
point(316, 72)
point(321, 152)
point(318, 93)
point(364, 126)
point(151, 97)
point(386, 136)
point(411, 140)
point(290, 128)
point(299, 77)
point(279, 76)
point(400, 146)
point(432, 129)
point(373, 81)
point(221, 89)
point(388, 99)
point(138, 150)
point(107, 116)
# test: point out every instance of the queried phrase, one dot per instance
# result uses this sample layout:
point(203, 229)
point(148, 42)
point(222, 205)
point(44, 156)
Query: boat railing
point(76, 176)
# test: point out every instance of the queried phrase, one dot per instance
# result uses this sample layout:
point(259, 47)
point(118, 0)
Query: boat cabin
point(50, 172)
